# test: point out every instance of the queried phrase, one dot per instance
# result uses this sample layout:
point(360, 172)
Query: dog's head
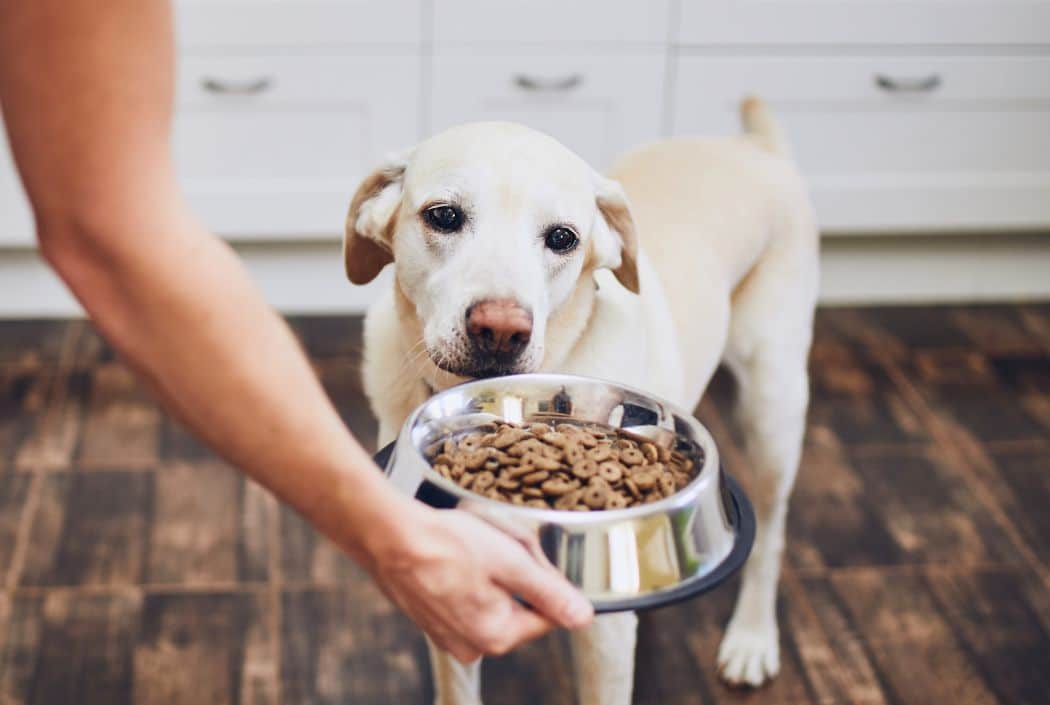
point(491, 226)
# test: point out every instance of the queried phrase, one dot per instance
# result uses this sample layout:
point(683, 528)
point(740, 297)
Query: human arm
point(86, 90)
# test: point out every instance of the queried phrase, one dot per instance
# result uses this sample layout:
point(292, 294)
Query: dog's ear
point(368, 241)
point(615, 237)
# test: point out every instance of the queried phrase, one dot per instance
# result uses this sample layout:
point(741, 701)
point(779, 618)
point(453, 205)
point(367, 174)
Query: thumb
point(544, 588)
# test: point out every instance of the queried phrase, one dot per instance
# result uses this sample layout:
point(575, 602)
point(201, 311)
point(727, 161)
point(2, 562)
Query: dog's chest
point(628, 340)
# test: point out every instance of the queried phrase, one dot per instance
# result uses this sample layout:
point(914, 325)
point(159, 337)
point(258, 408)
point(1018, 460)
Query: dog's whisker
point(412, 357)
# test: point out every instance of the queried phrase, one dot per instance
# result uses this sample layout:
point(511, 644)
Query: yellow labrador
point(513, 255)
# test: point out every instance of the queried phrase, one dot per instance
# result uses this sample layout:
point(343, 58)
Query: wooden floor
point(134, 567)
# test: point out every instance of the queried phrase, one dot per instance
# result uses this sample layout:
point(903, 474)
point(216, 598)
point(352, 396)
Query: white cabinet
point(283, 105)
point(596, 103)
point(16, 221)
point(275, 23)
point(845, 22)
point(899, 143)
point(487, 21)
point(274, 146)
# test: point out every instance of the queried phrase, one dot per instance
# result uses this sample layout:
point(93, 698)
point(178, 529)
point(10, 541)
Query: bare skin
point(86, 90)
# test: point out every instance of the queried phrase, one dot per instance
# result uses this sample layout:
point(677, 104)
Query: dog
point(512, 255)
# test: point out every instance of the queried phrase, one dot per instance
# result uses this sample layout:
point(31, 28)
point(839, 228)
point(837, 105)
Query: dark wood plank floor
point(135, 567)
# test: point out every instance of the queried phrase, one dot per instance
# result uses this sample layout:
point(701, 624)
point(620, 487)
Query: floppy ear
point(368, 240)
point(615, 237)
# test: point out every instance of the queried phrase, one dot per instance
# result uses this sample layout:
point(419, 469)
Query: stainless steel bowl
point(623, 559)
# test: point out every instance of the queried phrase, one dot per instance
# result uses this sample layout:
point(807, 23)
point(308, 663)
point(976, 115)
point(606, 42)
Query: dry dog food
point(563, 466)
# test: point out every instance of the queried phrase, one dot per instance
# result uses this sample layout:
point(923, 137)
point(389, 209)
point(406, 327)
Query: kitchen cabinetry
point(906, 115)
point(600, 103)
point(272, 146)
point(896, 143)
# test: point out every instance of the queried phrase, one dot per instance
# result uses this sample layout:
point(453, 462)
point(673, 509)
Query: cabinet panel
point(597, 104)
point(857, 21)
point(896, 143)
point(272, 147)
point(303, 22)
point(551, 21)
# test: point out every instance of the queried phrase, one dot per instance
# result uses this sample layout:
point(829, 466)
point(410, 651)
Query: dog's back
point(722, 195)
point(708, 210)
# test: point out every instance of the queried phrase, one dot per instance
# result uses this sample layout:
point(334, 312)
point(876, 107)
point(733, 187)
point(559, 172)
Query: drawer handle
point(253, 87)
point(548, 85)
point(924, 84)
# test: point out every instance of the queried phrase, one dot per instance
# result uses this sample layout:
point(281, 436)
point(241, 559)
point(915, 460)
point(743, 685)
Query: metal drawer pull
point(259, 85)
point(908, 85)
point(548, 85)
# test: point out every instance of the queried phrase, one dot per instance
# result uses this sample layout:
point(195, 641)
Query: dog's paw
point(749, 655)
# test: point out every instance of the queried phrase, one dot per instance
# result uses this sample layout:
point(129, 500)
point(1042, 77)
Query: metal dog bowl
point(621, 559)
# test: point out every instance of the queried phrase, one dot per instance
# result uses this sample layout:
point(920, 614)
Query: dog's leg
point(454, 682)
point(771, 411)
point(768, 347)
point(603, 656)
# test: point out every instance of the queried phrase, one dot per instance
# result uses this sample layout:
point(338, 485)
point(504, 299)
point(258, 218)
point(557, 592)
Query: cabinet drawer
point(596, 104)
point(864, 21)
point(274, 146)
point(551, 21)
point(896, 143)
point(304, 22)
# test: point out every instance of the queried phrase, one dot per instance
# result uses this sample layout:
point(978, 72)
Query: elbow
point(78, 236)
point(56, 243)
point(83, 252)
point(89, 261)
point(96, 236)
point(67, 248)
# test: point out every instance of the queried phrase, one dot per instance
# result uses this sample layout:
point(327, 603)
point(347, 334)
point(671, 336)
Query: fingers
point(520, 625)
point(488, 636)
point(445, 635)
point(467, 655)
point(545, 589)
point(460, 650)
point(527, 538)
point(528, 625)
point(462, 583)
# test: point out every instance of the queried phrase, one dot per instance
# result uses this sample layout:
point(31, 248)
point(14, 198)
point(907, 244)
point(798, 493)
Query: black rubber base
point(741, 517)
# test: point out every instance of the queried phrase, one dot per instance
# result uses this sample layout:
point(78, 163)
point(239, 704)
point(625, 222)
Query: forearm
point(185, 315)
point(87, 93)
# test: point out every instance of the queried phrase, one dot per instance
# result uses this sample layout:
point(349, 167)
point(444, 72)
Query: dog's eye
point(560, 239)
point(447, 219)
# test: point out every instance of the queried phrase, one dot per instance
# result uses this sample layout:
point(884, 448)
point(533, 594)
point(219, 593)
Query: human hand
point(456, 576)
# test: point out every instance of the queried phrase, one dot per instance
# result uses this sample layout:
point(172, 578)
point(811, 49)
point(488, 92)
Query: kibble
point(564, 466)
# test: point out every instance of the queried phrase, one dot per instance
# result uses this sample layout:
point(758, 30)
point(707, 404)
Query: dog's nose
point(499, 327)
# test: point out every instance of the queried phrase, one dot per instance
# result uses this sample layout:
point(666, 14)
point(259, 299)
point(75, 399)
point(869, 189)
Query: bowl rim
point(709, 472)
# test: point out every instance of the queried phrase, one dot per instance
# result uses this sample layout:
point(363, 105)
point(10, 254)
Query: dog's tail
point(761, 127)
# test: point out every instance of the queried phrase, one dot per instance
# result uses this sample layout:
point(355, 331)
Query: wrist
point(341, 492)
point(394, 535)
point(370, 519)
